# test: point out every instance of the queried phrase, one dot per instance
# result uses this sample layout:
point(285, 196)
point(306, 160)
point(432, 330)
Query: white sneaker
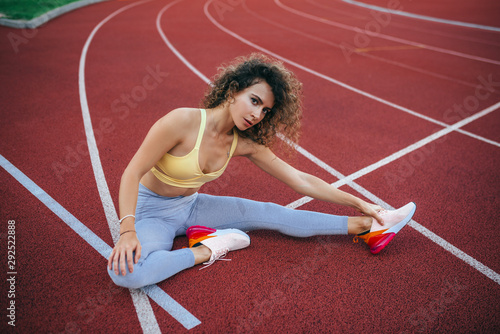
point(394, 220)
point(220, 242)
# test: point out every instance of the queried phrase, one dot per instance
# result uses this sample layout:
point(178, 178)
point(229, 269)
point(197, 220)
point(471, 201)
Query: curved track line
point(172, 48)
point(364, 54)
point(383, 36)
point(142, 305)
point(337, 82)
point(409, 27)
point(349, 180)
point(423, 17)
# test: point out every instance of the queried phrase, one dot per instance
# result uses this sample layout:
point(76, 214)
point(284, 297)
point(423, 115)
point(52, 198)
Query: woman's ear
point(231, 92)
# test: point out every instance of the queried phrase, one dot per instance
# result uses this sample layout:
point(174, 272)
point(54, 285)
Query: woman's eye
point(254, 101)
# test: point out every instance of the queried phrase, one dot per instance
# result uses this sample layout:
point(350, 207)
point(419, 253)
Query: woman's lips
point(249, 124)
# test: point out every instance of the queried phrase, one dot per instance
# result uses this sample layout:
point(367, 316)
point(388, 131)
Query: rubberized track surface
point(408, 111)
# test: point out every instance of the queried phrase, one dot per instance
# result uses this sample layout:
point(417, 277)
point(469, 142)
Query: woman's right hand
point(123, 251)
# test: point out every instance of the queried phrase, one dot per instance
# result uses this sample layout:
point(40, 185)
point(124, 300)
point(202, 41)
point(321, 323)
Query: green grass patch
point(29, 9)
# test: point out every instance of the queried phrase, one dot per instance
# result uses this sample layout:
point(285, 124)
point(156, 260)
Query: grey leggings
point(160, 219)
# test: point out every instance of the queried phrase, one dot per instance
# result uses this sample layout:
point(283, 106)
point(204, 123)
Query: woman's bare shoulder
point(181, 116)
point(176, 123)
point(180, 120)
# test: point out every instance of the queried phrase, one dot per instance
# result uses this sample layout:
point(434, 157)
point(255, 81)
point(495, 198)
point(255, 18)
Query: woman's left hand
point(371, 210)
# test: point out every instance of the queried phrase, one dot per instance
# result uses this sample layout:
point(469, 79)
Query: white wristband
point(126, 217)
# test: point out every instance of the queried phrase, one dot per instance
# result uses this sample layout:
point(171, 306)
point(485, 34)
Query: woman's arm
point(307, 184)
point(161, 138)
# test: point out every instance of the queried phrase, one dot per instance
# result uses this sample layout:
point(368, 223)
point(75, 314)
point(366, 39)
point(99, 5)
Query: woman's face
point(251, 105)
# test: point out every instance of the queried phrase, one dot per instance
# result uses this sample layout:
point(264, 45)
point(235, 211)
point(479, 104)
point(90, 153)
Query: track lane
point(383, 28)
point(367, 15)
point(364, 54)
point(481, 12)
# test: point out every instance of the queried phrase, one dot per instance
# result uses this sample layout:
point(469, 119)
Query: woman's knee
point(130, 280)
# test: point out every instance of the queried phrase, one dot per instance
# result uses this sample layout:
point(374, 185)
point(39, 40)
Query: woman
point(249, 102)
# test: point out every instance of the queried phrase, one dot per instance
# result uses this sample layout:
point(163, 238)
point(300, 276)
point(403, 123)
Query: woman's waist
point(151, 182)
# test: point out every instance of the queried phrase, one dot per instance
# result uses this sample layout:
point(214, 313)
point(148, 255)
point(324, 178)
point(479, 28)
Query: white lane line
point(356, 175)
point(142, 305)
point(337, 82)
point(362, 54)
point(423, 17)
point(172, 48)
point(153, 291)
point(83, 231)
point(349, 180)
point(386, 37)
point(408, 26)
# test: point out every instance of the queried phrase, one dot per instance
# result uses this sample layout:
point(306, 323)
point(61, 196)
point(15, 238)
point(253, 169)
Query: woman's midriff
point(150, 181)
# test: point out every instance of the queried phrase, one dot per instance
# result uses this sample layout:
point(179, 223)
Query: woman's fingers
point(110, 259)
point(122, 256)
point(138, 253)
point(115, 263)
point(372, 210)
point(130, 261)
point(378, 218)
point(122, 263)
point(375, 214)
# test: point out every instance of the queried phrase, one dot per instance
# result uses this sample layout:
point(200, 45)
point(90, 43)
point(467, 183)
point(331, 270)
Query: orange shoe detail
point(198, 233)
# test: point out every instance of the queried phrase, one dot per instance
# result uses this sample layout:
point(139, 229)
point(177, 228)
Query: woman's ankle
point(201, 254)
point(359, 224)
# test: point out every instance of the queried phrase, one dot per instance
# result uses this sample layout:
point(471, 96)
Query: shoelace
point(218, 255)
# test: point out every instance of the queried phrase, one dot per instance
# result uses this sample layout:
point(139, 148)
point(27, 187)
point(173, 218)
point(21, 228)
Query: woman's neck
point(220, 120)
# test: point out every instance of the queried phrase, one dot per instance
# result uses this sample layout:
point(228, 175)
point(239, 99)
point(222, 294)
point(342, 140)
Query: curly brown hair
point(243, 72)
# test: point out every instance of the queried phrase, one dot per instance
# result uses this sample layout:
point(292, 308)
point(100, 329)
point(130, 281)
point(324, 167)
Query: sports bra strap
point(202, 128)
point(234, 143)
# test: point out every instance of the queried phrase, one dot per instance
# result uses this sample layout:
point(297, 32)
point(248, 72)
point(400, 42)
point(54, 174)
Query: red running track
point(439, 275)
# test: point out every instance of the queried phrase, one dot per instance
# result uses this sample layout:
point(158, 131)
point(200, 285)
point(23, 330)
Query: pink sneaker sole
point(384, 241)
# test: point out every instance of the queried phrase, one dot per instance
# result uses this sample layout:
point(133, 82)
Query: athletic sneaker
point(220, 242)
point(394, 220)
